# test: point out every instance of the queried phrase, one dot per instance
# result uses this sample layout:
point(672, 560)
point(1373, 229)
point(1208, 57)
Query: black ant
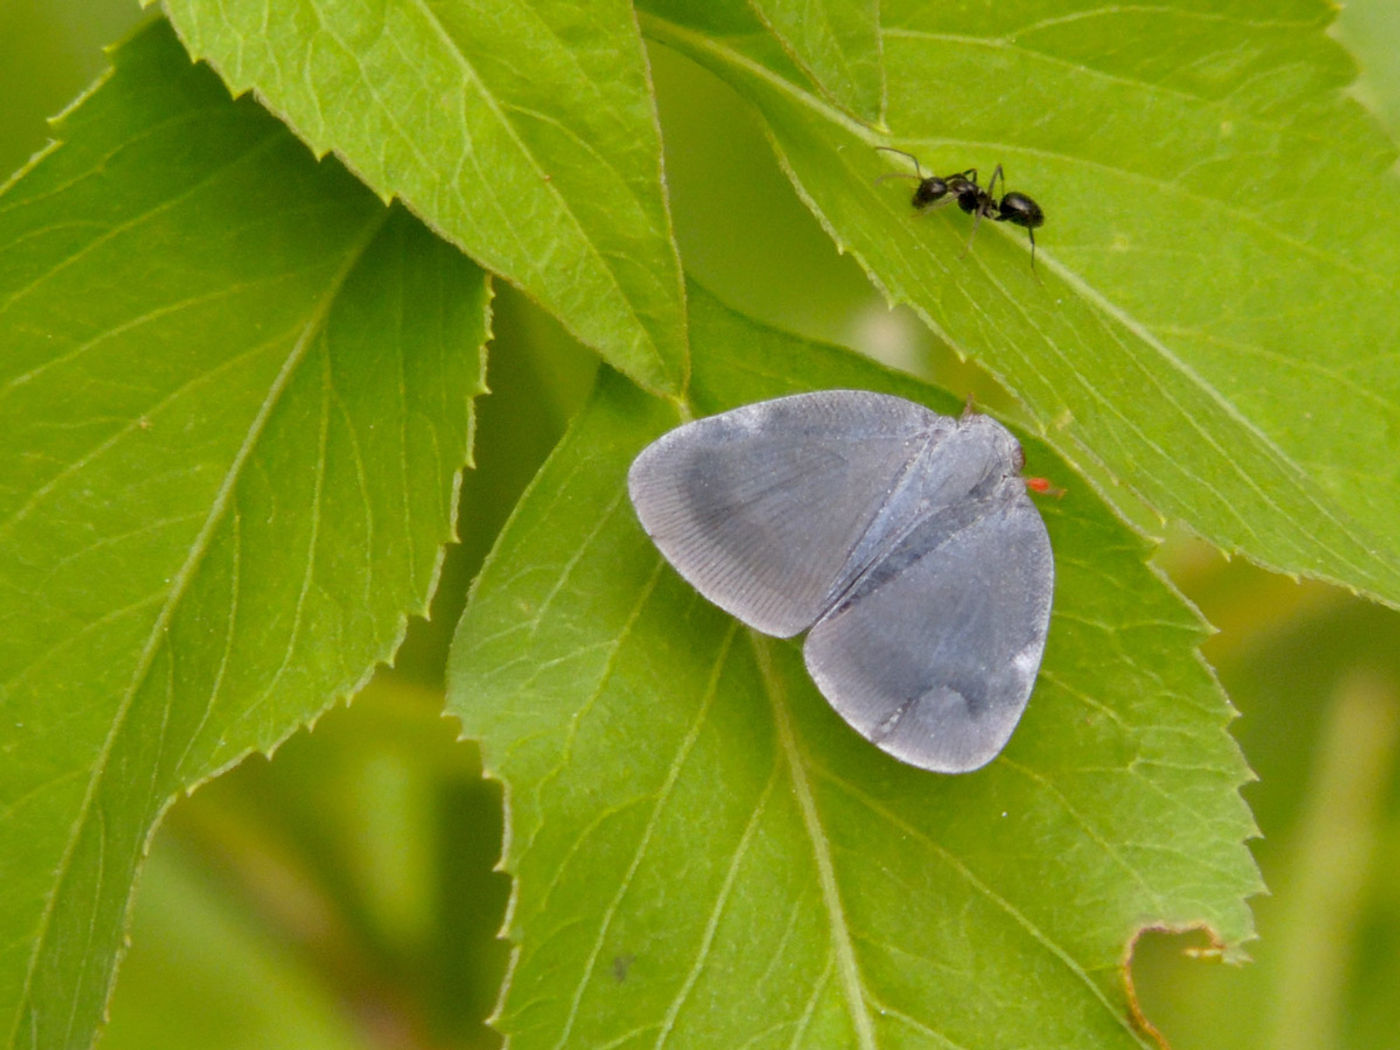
point(961, 186)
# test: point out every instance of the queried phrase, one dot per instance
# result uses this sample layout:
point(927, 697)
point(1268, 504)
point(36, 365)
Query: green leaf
point(237, 391)
point(1214, 303)
point(837, 43)
point(521, 130)
point(706, 855)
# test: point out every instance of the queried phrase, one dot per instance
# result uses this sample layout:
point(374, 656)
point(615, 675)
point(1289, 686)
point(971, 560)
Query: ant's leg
point(976, 218)
point(986, 204)
point(992, 186)
point(1031, 233)
point(902, 153)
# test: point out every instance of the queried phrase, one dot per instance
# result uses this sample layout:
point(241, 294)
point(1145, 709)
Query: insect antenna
point(918, 170)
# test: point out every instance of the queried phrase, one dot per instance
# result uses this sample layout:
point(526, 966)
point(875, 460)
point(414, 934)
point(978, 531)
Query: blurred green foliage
point(342, 893)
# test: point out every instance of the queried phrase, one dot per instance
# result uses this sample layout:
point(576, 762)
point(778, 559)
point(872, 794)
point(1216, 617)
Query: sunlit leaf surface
point(521, 130)
point(237, 397)
point(1212, 317)
point(838, 43)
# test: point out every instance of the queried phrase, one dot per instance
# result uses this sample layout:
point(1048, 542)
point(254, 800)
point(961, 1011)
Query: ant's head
point(929, 191)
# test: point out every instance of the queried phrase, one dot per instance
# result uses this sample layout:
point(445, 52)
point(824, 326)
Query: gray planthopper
point(904, 540)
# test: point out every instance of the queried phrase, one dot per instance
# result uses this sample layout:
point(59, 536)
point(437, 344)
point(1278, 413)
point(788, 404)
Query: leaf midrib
point(653, 351)
point(180, 584)
point(1354, 530)
point(1002, 904)
point(848, 969)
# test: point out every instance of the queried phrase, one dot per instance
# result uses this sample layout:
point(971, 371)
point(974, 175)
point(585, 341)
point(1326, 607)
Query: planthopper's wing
point(933, 653)
point(760, 508)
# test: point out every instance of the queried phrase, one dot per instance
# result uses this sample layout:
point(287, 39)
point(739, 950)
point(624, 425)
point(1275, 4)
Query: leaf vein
point(668, 785)
point(848, 968)
point(180, 584)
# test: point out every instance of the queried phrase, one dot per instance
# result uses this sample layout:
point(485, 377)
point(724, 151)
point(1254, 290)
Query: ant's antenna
point(919, 172)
